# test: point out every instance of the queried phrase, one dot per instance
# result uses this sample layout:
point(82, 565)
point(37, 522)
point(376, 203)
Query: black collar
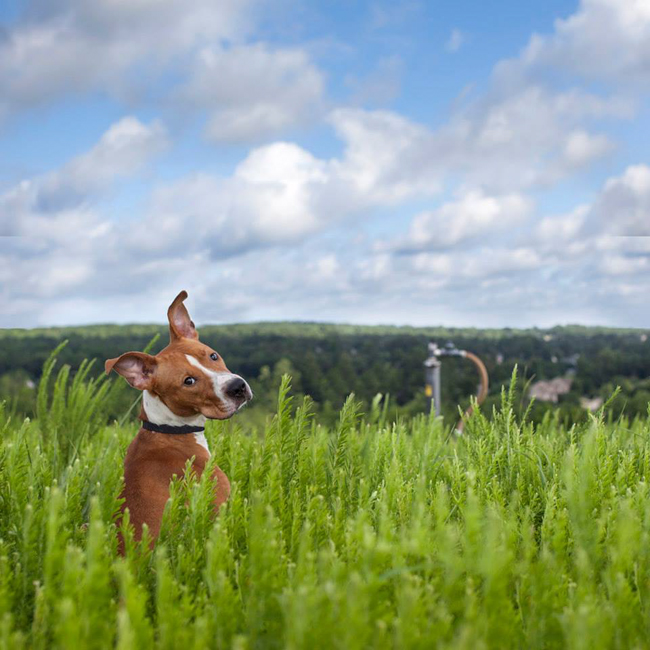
point(168, 428)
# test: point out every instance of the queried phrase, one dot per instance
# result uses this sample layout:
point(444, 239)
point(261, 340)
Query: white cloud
point(60, 246)
point(252, 90)
point(280, 193)
point(616, 222)
point(74, 45)
point(455, 41)
point(604, 39)
point(387, 157)
point(528, 136)
point(623, 208)
point(277, 186)
point(247, 91)
point(581, 148)
point(477, 264)
point(623, 265)
point(574, 266)
point(271, 198)
point(55, 205)
point(123, 150)
point(603, 245)
point(474, 214)
point(563, 228)
point(506, 142)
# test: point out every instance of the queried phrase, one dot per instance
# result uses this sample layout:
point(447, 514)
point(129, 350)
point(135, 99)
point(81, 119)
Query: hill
point(328, 361)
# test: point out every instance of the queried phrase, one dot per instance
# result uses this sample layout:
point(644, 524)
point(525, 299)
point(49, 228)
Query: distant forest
point(328, 362)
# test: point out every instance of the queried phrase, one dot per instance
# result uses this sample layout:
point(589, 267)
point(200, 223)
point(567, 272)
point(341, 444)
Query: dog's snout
point(236, 388)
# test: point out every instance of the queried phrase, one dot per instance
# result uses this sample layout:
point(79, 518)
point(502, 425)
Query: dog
point(182, 386)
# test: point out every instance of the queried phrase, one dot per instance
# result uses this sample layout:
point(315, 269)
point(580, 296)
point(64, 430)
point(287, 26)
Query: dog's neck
point(157, 412)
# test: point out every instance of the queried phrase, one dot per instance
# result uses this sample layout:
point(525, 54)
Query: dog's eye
point(214, 356)
point(189, 381)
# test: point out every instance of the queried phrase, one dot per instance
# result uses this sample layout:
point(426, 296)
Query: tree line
point(328, 362)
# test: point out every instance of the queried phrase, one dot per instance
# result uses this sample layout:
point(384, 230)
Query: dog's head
point(190, 378)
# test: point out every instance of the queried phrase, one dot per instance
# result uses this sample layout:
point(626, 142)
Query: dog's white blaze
point(159, 413)
point(200, 440)
point(219, 379)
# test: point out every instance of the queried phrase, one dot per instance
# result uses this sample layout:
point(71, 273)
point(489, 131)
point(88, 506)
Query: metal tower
point(432, 377)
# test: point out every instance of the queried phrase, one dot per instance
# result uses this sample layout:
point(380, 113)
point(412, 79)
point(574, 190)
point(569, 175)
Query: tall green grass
point(370, 535)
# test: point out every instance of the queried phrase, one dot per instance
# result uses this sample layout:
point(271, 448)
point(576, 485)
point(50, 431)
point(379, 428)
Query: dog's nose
point(236, 388)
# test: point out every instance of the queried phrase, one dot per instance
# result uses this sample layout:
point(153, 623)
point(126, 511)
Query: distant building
point(550, 391)
point(591, 403)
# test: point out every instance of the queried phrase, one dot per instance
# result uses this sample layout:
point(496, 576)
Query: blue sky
point(410, 162)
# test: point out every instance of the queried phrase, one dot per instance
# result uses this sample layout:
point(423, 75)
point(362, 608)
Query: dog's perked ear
point(137, 368)
point(180, 323)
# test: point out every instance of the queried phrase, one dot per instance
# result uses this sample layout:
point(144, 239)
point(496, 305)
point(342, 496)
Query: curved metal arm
point(482, 392)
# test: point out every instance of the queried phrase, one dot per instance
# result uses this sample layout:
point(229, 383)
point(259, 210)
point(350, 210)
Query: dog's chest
point(201, 440)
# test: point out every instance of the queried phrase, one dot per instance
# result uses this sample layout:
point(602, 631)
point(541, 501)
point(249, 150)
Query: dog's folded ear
point(180, 323)
point(137, 368)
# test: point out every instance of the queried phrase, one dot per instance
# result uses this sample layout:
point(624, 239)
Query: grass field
point(369, 535)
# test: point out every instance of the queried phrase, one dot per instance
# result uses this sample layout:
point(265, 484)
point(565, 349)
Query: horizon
point(342, 324)
point(341, 162)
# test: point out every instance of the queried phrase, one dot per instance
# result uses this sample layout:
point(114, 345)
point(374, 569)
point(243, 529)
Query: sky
point(362, 161)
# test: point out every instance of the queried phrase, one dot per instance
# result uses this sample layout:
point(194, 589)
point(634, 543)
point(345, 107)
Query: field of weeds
point(367, 535)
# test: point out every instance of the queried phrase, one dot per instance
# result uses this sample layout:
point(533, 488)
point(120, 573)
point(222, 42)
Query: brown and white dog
point(182, 386)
